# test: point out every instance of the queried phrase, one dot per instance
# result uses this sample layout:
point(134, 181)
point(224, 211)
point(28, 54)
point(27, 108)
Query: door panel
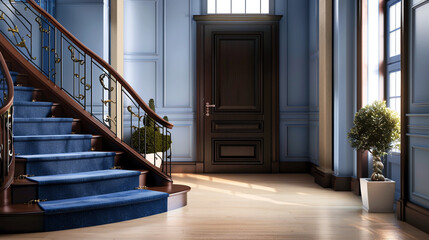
point(237, 76)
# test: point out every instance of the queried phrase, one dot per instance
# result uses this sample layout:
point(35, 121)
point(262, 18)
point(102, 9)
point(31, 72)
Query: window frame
point(396, 58)
point(392, 64)
point(271, 9)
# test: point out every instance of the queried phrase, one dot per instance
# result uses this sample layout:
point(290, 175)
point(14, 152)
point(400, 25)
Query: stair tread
point(101, 201)
point(83, 176)
point(53, 137)
point(23, 182)
point(171, 189)
point(48, 119)
point(69, 155)
point(21, 88)
point(28, 103)
point(20, 208)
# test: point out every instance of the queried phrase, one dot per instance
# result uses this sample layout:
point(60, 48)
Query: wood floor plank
point(253, 206)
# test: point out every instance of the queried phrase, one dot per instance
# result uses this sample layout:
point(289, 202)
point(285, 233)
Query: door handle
point(208, 106)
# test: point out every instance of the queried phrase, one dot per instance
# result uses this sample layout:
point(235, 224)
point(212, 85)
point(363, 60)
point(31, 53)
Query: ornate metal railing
point(6, 115)
point(87, 78)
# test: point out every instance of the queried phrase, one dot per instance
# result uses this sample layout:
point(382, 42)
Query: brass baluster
point(81, 97)
point(108, 118)
point(57, 59)
point(130, 109)
point(13, 30)
point(39, 21)
point(23, 45)
point(73, 58)
point(101, 78)
point(82, 81)
point(105, 102)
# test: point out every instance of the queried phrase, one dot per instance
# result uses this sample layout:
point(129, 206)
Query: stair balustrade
point(87, 78)
point(6, 119)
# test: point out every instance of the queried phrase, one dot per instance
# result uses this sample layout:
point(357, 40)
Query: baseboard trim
point(294, 167)
point(355, 186)
point(417, 216)
point(313, 168)
point(183, 167)
point(341, 183)
point(323, 177)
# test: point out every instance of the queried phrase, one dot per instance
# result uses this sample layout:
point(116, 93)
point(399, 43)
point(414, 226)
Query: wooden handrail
point(103, 63)
point(9, 82)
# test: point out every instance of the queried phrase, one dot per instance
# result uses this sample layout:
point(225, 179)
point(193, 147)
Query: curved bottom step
point(19, 218)
point(102, 209)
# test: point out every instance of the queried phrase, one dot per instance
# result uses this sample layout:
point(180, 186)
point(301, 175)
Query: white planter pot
point(151, 158)
point(377, 196)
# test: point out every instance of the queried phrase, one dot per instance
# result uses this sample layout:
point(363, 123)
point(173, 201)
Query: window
point(393, 56)
point(393, 61)
point(238, 6)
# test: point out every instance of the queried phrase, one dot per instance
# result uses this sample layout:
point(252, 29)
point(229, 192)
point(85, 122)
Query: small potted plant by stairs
point(150, 140)
point(376, 129)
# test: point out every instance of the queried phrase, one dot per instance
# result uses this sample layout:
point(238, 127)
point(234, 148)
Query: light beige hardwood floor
point(252, 206)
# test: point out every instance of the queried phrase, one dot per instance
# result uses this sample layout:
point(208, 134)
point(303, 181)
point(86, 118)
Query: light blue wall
point(293, 80)
point(299, 69)
point(88, 20)
point(159, 63)
point(344, 73)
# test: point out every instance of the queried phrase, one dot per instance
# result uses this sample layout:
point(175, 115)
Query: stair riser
point(41, 128)
point(74, 190)
point(95, 217)
point(21, 95)
point(57, 111)
point(28, 147)
point(23, 194)
point(32, 112)
point(76, 127)
point(14, 75)
point(97, 144)
point(69, 166)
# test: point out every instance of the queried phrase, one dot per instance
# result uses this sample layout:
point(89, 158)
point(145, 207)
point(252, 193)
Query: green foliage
point(376, 129)
point(155, 141)
point(148, 121)
point(152, 104)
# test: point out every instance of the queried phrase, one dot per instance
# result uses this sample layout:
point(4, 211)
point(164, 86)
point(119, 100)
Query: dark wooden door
point(238, 96)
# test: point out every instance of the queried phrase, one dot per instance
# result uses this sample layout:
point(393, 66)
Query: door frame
point(202, 20)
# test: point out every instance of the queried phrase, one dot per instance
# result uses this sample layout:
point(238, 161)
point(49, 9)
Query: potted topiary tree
point(376, 129)
point(150, 140)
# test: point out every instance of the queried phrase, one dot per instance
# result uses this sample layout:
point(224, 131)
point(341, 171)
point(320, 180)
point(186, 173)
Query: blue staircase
point(76, 187)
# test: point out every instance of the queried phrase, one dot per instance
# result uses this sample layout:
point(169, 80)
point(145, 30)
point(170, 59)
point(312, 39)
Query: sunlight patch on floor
point(229, 182)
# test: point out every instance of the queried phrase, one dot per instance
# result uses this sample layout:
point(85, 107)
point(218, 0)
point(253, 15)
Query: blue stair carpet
point(42, 126)
point(14, 75)
point(102, 209)
point(41, 144)
point(21, 94)
point(73, 162)
point(32, 109)
point(79, 185)
point(73, 185)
